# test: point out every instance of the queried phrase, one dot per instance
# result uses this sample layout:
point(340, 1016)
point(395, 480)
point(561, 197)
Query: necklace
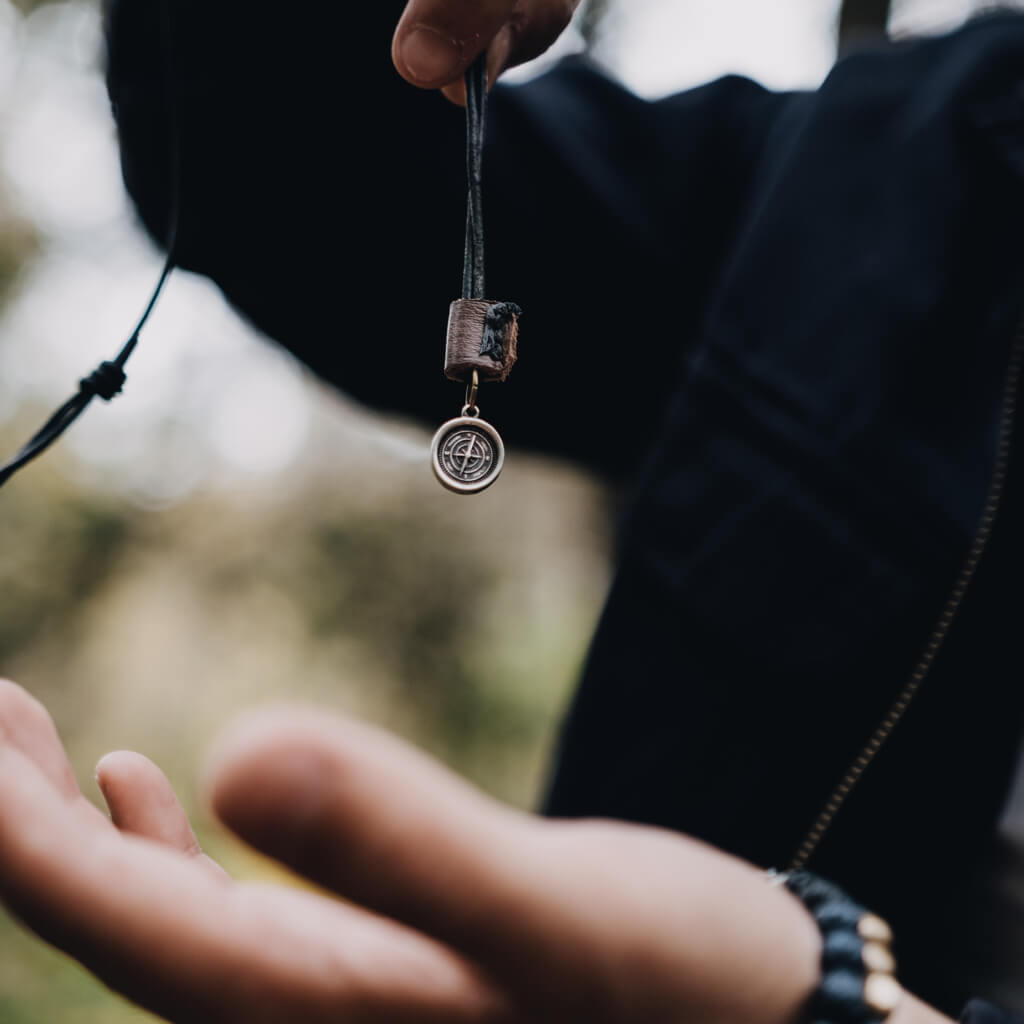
point(467, 452)
point(108, 378)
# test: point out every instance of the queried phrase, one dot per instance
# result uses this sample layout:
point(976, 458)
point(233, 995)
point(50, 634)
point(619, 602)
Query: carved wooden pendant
point(482, 336)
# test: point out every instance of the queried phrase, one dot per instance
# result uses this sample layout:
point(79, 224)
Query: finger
point(360, 812)
point(364, 814)
point(27, 726)
point(437, 40)
point(499, 57)
point(574, 916)
point(154, 925)
point(143, 802)
point(535, 25)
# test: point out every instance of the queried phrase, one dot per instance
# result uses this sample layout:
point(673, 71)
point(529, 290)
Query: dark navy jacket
point(782, 321)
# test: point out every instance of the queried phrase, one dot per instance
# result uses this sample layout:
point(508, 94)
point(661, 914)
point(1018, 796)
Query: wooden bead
point(872, 928)
point(482, 336)
point(882, 993)
point(878, 958)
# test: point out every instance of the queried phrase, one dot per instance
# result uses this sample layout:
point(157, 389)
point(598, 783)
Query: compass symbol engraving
point(467, 454)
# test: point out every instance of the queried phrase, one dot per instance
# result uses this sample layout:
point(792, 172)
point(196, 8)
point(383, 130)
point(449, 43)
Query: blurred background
point(229, 531)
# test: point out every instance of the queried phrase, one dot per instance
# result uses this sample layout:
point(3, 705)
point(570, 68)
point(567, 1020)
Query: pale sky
point(659, 46)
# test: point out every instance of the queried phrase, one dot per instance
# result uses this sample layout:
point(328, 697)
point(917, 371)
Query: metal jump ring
point(471, 389)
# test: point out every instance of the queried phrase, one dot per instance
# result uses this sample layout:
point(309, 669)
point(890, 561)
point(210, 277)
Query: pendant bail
point(471, 389)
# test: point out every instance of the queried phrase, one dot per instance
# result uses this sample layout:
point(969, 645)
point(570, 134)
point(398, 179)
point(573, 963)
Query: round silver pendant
point(467, 454)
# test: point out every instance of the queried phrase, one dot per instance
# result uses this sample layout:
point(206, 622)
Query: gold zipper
point(895, 714)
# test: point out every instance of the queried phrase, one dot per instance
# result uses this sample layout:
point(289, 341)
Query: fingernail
point(429, 56)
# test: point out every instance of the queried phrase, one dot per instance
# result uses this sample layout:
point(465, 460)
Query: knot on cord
point(106, 381)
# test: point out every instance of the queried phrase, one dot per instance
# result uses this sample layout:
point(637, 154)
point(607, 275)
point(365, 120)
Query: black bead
point(843, 948)
point(840, 997)
point(813, 891)
point(836, 916)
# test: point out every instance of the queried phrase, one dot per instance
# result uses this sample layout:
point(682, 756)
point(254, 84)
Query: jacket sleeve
point(795, 551)
point(326, 197)
point(979, 1012)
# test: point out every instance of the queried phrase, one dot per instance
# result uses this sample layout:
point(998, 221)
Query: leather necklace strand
point(108, 378)
point(467, 452)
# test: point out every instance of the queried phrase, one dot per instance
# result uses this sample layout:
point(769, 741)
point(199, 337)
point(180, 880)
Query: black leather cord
point(108, 378)
point(476, 109)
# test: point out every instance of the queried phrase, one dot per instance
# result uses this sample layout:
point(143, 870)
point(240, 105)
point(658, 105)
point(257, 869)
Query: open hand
point(467, 910)
point(437, 40)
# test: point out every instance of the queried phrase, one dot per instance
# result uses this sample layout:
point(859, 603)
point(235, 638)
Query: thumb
point(582, 920)
point(437, 40)
point(358, 811)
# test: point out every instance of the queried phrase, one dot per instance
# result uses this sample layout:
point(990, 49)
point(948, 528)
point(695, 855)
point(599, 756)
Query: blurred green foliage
point(356, 584)
point(352, 582)
point(19, 243)
point(458, 623)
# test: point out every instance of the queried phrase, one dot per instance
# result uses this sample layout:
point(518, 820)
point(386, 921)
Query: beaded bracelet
point(858, 971)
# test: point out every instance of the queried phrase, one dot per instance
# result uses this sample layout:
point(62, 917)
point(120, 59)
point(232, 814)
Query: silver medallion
point(467, 454)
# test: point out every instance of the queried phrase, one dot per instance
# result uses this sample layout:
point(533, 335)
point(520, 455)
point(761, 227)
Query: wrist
point(800, 943)
point(857, 969)
point(912, 1011)
point(797, 963)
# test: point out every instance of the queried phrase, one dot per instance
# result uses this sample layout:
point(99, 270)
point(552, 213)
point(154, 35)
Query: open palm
point(461, 909)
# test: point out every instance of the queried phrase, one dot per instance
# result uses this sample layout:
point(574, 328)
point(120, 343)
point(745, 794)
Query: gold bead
point(877, 958)
point(882, 993)
point(871, 928)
